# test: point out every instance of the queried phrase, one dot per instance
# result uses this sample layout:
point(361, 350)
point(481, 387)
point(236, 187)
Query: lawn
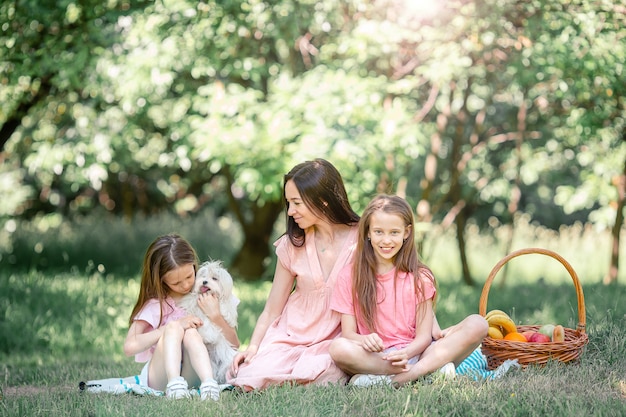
point(60, 327)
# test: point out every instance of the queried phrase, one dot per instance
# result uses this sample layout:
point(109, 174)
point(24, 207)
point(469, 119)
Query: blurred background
point(502, 122)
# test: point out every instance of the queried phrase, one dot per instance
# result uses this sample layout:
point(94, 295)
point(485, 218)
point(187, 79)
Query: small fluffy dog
point(213, 277)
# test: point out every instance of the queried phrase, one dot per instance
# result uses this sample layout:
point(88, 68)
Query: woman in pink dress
point(292, 335)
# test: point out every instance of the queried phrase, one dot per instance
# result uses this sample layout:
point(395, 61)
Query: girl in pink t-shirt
point(386, 301)
point(164, 335)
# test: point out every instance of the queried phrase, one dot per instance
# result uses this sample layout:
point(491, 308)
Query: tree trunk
point(620, 183)
point(252, 258)
point(460, 236)
point(257, 223)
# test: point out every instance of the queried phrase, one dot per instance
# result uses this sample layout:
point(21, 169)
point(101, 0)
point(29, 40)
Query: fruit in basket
point(500, 319)
point(495, 333)
point(558, 334)
point(547, 329)
point(528, 334)
point(540, 338)
point(492, 312)
point(515, 337)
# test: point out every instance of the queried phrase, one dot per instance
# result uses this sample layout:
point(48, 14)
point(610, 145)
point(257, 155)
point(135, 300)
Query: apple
point(547, 329)
point(540, 338)
point(528, 334)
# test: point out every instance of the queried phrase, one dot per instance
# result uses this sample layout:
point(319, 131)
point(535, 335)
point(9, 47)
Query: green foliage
point(476, 111)
point(107, 244)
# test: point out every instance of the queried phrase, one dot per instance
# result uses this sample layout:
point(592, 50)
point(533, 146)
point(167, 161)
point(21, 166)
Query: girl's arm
point(279, 293)
point(210, 305)
point(370, 342)
point(141, 336)
point(438, 333)
point(424, 331)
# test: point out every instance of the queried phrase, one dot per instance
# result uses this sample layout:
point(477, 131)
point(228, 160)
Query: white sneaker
point(177, 388)
point(448, 370)
point(367, 380)
point(209, 390)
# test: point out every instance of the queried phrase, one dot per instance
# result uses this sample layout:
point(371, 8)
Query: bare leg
point(165, 362)
point(353, 359)
point(196, 366)
point(458, 342)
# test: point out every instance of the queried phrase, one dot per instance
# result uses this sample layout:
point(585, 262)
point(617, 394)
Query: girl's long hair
point(364, 266)
point(164, 254)
point(322, 190)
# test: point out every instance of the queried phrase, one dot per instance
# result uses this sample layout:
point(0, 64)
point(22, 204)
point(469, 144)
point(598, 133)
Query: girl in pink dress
point(293, 333)
point(386, 300)
point(164, 335)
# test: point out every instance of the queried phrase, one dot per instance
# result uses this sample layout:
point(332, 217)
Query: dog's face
point(213, 277)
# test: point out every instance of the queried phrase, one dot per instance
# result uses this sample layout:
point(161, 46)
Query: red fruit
point(528, 334)
point(540, 338)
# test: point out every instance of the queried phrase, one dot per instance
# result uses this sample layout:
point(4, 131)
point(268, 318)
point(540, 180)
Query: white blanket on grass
point(129, 385)
point(474, 366)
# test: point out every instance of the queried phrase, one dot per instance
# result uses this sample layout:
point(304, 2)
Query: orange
point(516, 337)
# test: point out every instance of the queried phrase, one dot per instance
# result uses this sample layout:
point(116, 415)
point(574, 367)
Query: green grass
point(61, 329)
point(65, 324)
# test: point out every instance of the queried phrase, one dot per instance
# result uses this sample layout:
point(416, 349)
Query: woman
point(293, 333)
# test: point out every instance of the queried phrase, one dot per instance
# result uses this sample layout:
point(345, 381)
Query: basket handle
point(482, 307)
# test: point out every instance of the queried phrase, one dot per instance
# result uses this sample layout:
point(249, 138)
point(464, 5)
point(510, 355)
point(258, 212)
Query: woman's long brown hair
point(364, 265)
point(322, 190)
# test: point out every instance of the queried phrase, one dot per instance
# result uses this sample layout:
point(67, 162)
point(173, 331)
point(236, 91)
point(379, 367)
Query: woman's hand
point(372, 343)
point(242, 357)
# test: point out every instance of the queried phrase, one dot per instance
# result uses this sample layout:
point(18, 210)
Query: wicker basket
point(526, 353)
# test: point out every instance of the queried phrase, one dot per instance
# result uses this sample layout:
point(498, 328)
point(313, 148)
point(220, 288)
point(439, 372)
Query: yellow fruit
point(558, 334)
point(503, 321)
point(492, 312)
point(495, 333)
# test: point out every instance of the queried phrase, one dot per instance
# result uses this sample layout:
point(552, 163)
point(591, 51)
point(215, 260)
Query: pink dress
point(295, 346)
point(151, 313)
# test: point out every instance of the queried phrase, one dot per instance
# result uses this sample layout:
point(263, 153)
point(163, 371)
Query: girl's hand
point(210, 305)
point(372, 343)
point(399, 358)
point(190, 322)
point(242, 357)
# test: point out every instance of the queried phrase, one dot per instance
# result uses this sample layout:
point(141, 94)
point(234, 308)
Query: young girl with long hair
point(164, 335)
point(386, 300)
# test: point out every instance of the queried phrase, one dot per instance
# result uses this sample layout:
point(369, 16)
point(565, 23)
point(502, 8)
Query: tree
point(472, 112)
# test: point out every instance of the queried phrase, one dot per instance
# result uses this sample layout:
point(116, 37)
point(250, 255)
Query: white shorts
point(143, 376)
point(412, 361)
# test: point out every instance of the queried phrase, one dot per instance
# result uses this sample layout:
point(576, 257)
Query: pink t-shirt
point(396, 305)
point(151, 313)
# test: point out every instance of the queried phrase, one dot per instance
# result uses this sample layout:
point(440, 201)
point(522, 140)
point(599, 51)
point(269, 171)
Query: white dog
point(213, 277)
